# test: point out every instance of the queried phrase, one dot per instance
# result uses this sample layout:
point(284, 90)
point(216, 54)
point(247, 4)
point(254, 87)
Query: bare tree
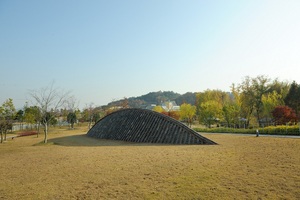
point(49, 100)
point(90, 112)
point(72, 104)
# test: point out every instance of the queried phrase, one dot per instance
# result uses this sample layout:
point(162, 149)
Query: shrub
point(27, 133)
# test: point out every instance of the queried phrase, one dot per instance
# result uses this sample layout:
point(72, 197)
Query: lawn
point(74, 166)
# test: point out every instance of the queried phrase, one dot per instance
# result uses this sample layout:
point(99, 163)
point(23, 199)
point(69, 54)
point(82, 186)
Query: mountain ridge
point(156, 98)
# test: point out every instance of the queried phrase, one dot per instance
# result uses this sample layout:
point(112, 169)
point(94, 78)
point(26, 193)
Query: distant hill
point(157, 98)
point(189, 97)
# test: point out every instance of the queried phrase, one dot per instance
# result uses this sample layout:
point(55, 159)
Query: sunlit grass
point(73, 166)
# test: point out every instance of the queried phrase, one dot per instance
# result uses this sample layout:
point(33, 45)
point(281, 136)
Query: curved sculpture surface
point(146, 126)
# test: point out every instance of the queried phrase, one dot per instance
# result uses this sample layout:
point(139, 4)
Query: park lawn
point(74, 166)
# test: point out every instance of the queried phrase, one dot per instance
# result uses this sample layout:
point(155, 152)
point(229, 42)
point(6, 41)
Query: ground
point(74, 166)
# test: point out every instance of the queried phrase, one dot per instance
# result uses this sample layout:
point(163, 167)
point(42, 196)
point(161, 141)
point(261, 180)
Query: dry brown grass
point(73, 166)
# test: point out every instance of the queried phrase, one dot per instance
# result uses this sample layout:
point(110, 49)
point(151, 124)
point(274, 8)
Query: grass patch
point(44, 144)
point(80, 167)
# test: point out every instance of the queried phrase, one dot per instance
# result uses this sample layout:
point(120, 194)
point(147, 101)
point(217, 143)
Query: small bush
point(27, 133)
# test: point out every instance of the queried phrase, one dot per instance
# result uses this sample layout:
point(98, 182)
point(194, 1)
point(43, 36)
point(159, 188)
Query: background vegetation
point(255, 103)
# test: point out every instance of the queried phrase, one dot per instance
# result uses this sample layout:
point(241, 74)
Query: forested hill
point(157, 98)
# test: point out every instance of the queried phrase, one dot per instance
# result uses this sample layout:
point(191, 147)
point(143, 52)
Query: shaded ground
point(73, 166)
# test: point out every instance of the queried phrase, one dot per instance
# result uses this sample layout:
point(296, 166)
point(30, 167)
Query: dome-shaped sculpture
point(140, 125)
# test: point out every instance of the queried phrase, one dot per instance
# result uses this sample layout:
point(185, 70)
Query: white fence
point(18, 127)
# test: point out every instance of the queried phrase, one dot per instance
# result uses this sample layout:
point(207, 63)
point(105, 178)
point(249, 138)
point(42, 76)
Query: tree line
point(256, 101)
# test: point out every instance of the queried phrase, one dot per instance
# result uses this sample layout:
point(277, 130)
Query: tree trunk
point(90, 124)
point(5, 134)
point(38, 129)
point(46, 133)
point(258, 118)
point(1, 136)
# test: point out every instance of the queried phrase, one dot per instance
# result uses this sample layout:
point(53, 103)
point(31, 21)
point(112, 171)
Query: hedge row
point(270, 130)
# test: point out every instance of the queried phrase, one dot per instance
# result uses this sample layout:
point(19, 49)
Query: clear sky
point(105, 50)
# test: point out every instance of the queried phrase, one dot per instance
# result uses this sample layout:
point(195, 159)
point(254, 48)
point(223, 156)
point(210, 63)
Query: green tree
point(252, 91)
point(215, 95)
point(209, 106)
point(33, 116)
point(96, 117)
point(280, 87)
point(247, 99)
point(261, 86)
point(232, 108)
point(231, 113)
point(3, 128)
point(72, 118)
point(29, 117)
point(187, 112)
point(210, 112)
point(7, 114)
point(20, 117)
point(270, 101)
point(292, 99)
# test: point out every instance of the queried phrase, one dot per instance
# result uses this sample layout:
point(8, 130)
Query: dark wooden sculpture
point(146, 126)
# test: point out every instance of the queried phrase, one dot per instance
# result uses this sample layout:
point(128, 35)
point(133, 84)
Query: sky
point(106, 50)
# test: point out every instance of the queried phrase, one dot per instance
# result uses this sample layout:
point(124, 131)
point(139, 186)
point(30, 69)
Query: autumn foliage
point(173, 114)
point(283, 115)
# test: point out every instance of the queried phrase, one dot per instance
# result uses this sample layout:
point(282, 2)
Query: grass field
point(74, 166)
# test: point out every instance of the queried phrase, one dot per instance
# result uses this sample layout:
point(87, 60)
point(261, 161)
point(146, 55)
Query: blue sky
point(106, 50)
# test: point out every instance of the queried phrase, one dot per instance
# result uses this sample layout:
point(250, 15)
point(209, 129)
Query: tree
point(71, 118)
point(70, 112)
point(29, 116)
point(7, 114)
point(260, 87)
point(49, 100)
point(88, 113)
point(20, 117)
point(283, 115)
point(232, 107)
point(187, 112)
point(174, 114)
point(281, 87)
point(216, 95)
point(33, 116)
point(210, 112)
point(158, 109)
point(270, 101)
point(209, 106)
point(246, 99)
point(96, 116)
point(292, 99)
point(252, 91)
point(231, 113)
point(3, 128)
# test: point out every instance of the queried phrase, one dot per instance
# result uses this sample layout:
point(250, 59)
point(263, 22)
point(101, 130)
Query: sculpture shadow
point(86, 141)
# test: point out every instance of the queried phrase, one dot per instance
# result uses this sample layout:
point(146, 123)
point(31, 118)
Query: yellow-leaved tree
point(187, 112)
